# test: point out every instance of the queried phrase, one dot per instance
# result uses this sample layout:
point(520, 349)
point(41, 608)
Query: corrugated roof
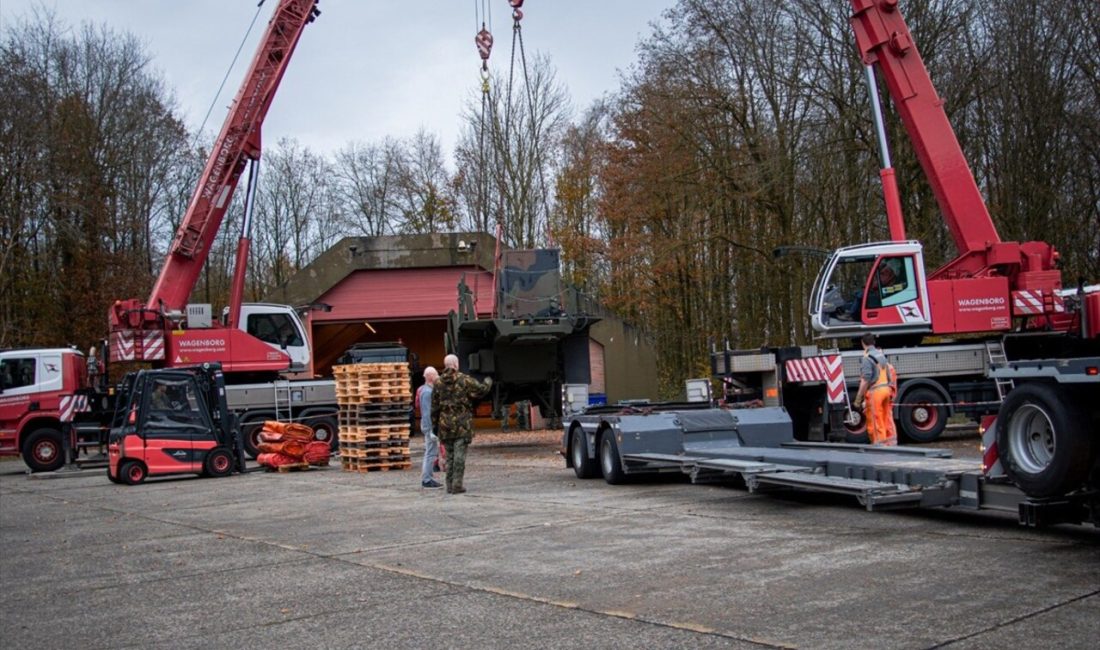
point(395, 294)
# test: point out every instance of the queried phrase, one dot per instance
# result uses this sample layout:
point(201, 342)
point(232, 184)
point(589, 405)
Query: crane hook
point(484, 42)
point(517, 15)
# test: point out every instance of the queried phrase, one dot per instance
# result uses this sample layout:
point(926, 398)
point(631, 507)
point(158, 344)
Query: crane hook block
point(516, 4)
point(484, 42)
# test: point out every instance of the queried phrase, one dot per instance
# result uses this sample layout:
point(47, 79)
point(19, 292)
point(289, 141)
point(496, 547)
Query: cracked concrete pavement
point(530, 556)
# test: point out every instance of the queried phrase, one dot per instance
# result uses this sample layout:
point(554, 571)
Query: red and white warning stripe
point(152, 346)
point(1029, 302)
point(829, 369)
point(991, 457)
point(71, 404)
point(122, 345)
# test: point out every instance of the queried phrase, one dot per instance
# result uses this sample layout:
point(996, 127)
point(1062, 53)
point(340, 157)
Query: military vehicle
point(537, 340)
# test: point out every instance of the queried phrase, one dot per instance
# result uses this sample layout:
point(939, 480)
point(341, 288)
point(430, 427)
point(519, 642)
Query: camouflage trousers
point(456, 461)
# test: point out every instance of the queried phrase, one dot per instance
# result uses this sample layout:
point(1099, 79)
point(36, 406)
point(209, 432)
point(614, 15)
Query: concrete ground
point(530, 557)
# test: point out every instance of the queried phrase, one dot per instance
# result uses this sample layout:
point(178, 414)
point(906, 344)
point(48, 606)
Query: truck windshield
point(277, 329)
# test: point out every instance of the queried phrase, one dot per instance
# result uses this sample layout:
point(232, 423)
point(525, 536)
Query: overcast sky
point(367, 69)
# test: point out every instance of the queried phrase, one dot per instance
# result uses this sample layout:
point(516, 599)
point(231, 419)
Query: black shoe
point(431, 483)
point(458, 490)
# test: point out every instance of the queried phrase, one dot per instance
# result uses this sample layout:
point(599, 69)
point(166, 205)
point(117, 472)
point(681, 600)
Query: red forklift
point(173, 422)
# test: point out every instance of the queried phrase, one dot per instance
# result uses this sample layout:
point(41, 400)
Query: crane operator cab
point(281, 328)
point(880, 287)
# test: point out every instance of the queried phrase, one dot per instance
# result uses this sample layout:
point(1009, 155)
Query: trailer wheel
point(43, 451)
point(611, 465)
point(583, 466)
point(132, 472)
point(926, 419)
point(218, 463)
point(1043, 441)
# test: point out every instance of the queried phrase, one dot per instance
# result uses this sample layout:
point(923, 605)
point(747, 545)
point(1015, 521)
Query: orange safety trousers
point(879, 410)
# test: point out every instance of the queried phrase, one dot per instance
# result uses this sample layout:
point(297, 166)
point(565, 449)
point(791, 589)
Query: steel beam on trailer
point(870, 449)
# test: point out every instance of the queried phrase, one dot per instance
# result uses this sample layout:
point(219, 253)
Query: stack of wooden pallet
point(375, 400)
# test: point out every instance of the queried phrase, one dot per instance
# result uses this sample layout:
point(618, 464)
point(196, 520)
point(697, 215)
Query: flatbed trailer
point(756, 446)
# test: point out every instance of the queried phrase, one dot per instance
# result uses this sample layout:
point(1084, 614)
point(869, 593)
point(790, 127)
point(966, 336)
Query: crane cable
point(232, 64)
point(483, 40)
point(517, 37)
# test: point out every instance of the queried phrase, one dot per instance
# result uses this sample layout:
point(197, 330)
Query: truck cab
point(38, 392)
point(280, 327)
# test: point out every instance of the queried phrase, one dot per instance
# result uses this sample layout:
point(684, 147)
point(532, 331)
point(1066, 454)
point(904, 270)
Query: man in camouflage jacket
point(452, 413)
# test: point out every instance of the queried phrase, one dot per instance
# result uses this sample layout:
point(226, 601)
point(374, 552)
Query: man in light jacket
point(431, 440)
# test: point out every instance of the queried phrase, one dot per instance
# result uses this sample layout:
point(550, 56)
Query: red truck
point(43, 393)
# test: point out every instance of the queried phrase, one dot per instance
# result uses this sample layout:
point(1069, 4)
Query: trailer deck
point(756, 447)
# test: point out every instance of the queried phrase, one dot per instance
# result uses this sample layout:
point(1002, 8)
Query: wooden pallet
point(357, 369)
point(293, 467)
point(371, 452)
point(363, 465)
point(363, 436)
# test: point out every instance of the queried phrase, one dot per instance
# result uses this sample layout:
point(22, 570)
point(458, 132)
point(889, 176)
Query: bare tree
point(87, 140)
point(366, 178)
point(293, 192)
point(425, 200)
point(507, 154)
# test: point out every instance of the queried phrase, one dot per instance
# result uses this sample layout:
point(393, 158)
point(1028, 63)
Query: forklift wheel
point(218, 463)
point(132, 472)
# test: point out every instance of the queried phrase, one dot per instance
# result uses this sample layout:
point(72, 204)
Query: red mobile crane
point(44, 392)
point(1007, 295)
point(1041, 453)
point(882, 287)
point(158, 329)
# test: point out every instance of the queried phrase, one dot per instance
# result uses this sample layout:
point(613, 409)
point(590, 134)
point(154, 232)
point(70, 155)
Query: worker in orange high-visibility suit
point(878, 382)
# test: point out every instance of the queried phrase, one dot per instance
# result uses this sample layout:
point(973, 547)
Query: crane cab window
point(843, 297)
point(276, 329)
point(893, 283)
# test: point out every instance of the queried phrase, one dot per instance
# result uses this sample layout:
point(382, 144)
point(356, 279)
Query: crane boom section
point(238, 142)
point(883, 37)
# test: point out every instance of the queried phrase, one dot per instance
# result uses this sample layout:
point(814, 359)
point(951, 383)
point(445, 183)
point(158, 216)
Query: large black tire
point(583, 466)
point(925, 421)
point(250, 436)
point(326, 429)
point(132, 472)
point(1043, 441)
point(611, 465)
point(219, 462)
point(43, 451)
point(855, 432)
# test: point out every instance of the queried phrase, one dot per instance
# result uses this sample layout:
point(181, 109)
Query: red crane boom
point(139, 331)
